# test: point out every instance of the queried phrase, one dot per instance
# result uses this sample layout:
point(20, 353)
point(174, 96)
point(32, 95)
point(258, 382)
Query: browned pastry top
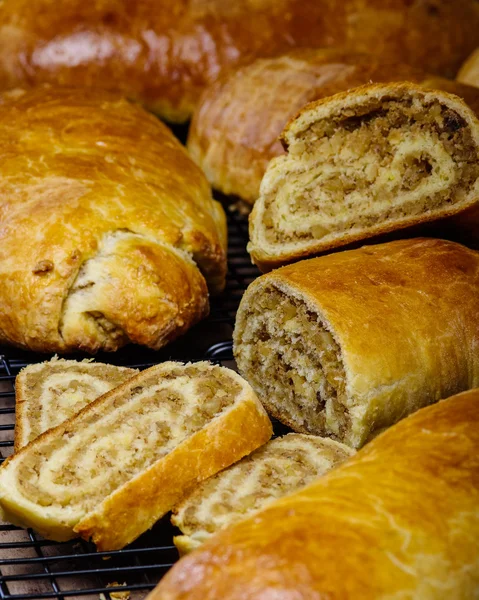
point(398, 520)
point(77, 169)
point(164, 53)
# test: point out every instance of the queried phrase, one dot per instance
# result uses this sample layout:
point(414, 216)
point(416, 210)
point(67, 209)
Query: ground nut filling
point(130, 433)
point(287, 354)
point(395, 160)
point(280, 467)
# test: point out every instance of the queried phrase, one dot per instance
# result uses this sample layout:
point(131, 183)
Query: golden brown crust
point(395, 311)
point(235, 129)
point(269, 256)
point(469, 72)
point(397, 520)
point(96, 195)
point(165, 54)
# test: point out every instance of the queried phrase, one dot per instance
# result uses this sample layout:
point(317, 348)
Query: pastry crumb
point(116, 595)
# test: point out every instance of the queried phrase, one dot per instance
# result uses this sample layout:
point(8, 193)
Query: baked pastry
point(234, 152)
point(362, 163)
point(347, 344)
point(278, 468)
point(398, 520)
point(164, 54)
point(48, 393)
point(109, 231)
point(469, 72)
point(110, 472)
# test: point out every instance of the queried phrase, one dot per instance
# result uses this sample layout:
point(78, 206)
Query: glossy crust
point(469, 72)
point(395, 310)
point(398, 520)
point(140, 502)
point(97, 196)
point(268, 255)
point(165, 53)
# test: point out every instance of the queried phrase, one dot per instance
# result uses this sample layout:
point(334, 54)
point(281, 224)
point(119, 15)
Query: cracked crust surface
point(347, 344)
point(164, 54)
point(109, 233)
point(363, 163)
point(398, 520)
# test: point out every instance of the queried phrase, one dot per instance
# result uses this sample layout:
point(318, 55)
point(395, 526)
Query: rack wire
point(34, 568)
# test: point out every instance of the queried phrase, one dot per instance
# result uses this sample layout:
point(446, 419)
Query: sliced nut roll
point(280, 467)
point(362, 163)
point(115, 468)
point(347, 344)
point(48, 393)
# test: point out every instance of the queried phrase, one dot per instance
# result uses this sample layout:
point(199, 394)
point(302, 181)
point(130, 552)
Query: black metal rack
point(34, 568)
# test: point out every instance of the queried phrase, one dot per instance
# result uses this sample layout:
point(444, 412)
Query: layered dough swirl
point(121, 463)
point(366, 162)
point(48, 393)
point(347, 344)
point(280, 467)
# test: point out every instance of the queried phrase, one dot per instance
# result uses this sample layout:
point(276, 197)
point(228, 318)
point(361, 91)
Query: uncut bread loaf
point(110, 472)
point(48, 393)
point(398, 520)
point(362, 163)
point(109, 231)
point(165, 53)
point(347, 344)
point(280, 467)
point(234, 151)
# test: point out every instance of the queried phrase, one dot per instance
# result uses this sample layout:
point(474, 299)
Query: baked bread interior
point(280, 467)
point(115, 468)
point(48, 393)
point(346, 344)
point(370, 161)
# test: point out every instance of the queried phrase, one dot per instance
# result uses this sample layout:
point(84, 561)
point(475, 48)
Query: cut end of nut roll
point(131, 455)
point(280, 467)
point(48, 393)
point(289, 355)
point(376, 159)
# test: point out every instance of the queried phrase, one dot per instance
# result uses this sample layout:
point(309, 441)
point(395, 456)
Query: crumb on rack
point(116, 595)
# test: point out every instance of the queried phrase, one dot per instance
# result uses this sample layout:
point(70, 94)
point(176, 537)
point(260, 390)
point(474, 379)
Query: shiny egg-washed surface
point(98, 195)
point(165, 53)
point(398, 521)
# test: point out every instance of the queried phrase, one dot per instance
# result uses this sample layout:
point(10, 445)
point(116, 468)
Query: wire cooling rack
point(34, 568)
